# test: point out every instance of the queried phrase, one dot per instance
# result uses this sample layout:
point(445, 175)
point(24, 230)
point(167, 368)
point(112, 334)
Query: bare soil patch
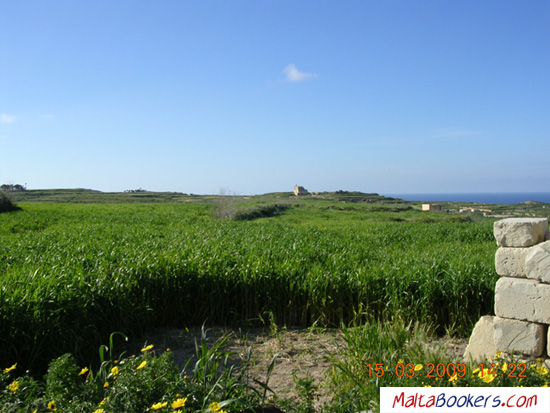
point(301, 353)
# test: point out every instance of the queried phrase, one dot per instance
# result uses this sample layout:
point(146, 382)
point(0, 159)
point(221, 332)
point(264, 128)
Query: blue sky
point(256, 96)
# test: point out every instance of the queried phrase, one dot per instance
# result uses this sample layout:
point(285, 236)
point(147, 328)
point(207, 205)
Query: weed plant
point(142, 383)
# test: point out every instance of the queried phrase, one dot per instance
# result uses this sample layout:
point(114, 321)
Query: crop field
point(82, 268)
point(74, 273)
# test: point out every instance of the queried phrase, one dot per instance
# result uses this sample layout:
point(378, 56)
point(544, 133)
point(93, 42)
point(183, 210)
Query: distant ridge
point(82, 195)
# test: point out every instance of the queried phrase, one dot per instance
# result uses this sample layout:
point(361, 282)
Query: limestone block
point(510, 262)
point(548, 341)
point(517, 336)
point(522, 299)
point(520, 232)
point(537, 262)
point(481, 345)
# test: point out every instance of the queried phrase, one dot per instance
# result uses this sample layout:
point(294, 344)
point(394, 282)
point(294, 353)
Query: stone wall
point(522, 294)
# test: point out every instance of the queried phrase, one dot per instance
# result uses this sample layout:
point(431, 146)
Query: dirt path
point(302, 353)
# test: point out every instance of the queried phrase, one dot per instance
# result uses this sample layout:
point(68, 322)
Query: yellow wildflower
point(99, 411)
point(158, 406)
point(10, 368)
point(539, 361)
point(51, 406)
point(102, 402)
point(149, 347)
point(400, 362)
point(114, 371)
point(543, 371)
point(142, 365)
point(487, 378)
point(418, 367)
point(504, 367)
point(83, 371)
point(214, 407)
point(497, 356)
point(106, 384)
point(14, 386)
point(179, 403)
point(453, 379)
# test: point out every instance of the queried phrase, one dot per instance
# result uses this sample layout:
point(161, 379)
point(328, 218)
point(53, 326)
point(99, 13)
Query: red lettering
point(411, 402)
point(420, 401)
point(431, 401)
point(400, 398)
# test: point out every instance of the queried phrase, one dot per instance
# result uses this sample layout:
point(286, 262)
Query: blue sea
point(478, 197)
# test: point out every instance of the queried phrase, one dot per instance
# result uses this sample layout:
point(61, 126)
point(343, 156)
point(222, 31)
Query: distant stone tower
point(300, 190)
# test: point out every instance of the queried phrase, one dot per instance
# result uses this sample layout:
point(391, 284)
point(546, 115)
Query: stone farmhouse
point(431, 207)
point(300, 190)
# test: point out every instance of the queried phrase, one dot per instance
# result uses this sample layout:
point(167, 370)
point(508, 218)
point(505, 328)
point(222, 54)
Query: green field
point(72, 273)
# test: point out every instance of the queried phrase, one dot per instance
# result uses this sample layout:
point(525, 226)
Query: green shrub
point(5, 203)
point(263, 211)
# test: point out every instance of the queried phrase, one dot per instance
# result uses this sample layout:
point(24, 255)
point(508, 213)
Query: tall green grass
point(71, 274)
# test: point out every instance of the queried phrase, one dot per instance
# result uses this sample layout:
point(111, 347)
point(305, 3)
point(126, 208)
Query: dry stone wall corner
point(522, 294)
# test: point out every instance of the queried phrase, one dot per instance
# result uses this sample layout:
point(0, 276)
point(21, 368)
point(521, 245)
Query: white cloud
point(294, 75)
point(5, 118)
